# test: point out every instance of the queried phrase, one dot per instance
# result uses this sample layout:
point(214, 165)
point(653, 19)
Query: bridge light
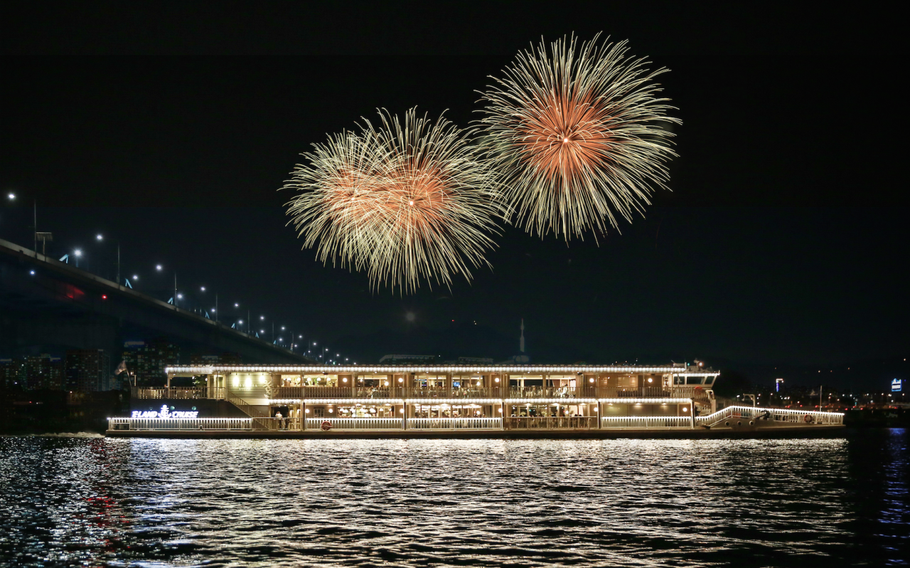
point(99, 237)
point(104, 296)
point(11, 196)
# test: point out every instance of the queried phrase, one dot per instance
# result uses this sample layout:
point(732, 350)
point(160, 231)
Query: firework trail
point(406, 201)
point(576, 136)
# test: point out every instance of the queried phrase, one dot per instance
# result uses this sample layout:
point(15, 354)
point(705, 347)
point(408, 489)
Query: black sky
point(170, 129)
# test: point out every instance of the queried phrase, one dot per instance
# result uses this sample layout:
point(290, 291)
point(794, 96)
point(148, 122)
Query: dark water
point(121, 502)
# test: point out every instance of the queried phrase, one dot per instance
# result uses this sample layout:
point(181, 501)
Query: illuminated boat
point(463, 400)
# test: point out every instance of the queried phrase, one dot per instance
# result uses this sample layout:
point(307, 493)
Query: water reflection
point(446, 502)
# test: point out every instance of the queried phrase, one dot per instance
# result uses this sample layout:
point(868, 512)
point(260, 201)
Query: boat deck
point(792, 431)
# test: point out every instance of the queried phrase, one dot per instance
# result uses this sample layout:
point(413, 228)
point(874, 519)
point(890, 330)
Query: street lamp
point(159, 268)
point(100, 238)
point(215, 309)
point(12, 197)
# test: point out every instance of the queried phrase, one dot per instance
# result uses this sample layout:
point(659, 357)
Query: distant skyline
point(784, 238)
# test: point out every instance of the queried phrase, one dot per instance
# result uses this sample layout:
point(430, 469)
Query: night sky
point(784, 238)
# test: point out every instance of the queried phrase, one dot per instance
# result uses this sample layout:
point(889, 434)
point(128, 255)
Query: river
point(87, 500)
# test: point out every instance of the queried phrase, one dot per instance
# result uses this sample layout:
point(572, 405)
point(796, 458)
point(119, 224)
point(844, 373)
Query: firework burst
point(405, 202)
point(576, 136)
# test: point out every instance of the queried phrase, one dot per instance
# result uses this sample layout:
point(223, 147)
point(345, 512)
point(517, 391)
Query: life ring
point(808, 419)
point(326, 425)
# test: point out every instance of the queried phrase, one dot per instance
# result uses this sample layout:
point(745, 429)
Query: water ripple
point(136, 502)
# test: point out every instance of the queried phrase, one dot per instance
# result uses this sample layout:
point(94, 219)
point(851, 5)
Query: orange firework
point(405, 202)
point(575, 136)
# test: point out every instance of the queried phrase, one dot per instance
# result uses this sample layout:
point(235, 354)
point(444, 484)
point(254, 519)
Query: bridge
point(47, 306)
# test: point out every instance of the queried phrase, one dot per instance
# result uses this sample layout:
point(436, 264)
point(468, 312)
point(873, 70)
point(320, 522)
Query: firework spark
point(406, 201)
point(576, 136)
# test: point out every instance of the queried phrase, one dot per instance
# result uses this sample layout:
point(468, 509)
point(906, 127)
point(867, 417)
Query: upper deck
point(262, 384)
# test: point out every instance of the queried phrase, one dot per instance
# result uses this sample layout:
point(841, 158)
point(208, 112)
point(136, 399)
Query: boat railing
point(778, 416)
point(179, 423)
point(332, 392)
point(543, 392)
point(638, 392)
point(354, 423)
point(180, 393)
point(429, 392)
point(373, 392)
point(454, 423)
point(470, 392)
point(696, 392)
point(551, 422)
point(251, 410)
point(646, 422)
point(312, 392)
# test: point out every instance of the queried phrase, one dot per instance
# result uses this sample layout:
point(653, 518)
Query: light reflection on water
point(455, 502)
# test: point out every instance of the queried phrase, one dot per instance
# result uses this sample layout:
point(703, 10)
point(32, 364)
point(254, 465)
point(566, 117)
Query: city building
point(146, 361)
point(43, 372)
point(87, 370)
point(12, 373)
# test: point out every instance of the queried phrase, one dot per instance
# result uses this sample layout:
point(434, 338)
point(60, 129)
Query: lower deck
point(731, 419)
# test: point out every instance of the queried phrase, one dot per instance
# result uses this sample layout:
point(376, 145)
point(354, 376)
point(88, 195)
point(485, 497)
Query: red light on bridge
point(104, 296)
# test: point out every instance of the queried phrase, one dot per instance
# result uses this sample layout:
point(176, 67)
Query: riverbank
point(44, 411)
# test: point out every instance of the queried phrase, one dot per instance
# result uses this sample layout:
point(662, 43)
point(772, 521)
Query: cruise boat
point(446, 400)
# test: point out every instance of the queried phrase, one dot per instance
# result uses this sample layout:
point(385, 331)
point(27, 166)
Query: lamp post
point(12, 197)
point(100, 238)
point(159, 268)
